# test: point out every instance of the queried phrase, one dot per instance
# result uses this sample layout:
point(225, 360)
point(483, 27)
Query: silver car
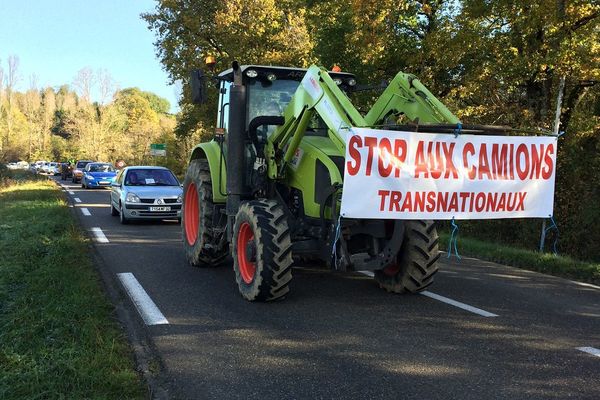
point(146, 193)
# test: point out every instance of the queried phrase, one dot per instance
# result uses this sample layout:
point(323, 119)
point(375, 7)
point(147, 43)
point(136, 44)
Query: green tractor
point(267, 189)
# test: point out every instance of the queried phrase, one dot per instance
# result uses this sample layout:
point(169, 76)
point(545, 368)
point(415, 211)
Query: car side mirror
point(115, 184)
point(198, 84)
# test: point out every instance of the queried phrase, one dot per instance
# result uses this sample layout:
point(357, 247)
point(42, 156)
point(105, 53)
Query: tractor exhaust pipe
point(236, 147)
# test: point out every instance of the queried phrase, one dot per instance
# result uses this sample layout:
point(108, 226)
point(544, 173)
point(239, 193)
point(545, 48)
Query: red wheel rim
point(247, 267)
point(191, 211)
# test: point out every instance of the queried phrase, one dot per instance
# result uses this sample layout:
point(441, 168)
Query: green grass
point(547, 263)
point(58, 335)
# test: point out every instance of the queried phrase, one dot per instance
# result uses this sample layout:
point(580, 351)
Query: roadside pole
point(561, 89)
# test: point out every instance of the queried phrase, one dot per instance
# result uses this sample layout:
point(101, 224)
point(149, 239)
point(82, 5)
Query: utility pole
point(559, 99)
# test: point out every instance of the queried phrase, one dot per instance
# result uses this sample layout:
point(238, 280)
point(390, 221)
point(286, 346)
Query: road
point(518, 334)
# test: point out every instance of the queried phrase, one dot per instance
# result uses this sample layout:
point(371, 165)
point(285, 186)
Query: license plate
point(104, 182)
point(160, 208)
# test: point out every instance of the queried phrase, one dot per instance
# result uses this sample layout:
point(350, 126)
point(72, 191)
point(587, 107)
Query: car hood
point(155, 191)
point(107, 175)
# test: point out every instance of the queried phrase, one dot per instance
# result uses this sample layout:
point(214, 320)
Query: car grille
point(158, 213)
point(145, 208)
point(151, 201)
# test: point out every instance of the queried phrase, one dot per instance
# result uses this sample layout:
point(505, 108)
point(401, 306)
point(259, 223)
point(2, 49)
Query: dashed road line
point(446, 300)
point(71, 192)
point(77, 199)
point(144, 304)
point(590, 350)
point(458, 304)
point(99, 235)
point(85, 211)
point(589, 285)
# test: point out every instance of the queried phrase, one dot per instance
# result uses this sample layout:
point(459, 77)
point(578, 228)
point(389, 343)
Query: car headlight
point(132, 198)
point(180, 198)
point(91, 178)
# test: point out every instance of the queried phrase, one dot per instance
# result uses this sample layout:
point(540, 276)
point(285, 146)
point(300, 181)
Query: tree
point(252, 31)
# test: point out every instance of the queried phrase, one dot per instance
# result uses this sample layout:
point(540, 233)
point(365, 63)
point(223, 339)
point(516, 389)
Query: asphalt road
point(338, 336)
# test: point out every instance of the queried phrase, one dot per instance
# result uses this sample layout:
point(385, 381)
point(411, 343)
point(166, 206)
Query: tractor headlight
point(251, 73)
point(351, 82)
point(132, 198)
point(272, 77)
point(338, 81)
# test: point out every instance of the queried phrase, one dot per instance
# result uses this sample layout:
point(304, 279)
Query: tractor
point(266, 190)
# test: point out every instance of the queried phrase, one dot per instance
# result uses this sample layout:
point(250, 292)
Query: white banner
point(408, 175)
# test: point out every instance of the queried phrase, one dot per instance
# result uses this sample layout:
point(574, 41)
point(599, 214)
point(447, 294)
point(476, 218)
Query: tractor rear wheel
point(416, 262)
point(201, 238)
point(262, 251)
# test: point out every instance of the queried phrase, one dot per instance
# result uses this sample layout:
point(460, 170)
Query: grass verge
point(58, 335)
point(547, 263)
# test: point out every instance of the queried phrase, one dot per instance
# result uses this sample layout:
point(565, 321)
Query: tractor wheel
point(262, 251)
point(201, 238)
point(416, 262)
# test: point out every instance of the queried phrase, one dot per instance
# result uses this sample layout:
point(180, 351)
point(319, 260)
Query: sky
point(54, 39)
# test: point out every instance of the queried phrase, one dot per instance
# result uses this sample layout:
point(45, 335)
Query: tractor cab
point(269, 89)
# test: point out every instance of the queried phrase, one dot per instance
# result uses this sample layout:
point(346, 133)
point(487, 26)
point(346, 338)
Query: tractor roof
point(280, 72)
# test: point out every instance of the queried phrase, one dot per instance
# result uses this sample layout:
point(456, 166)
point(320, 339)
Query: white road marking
point(144, 304)
point(590, 350)
point(71, 192)
point(447, 300)
point(585, 284)
point(100, 237)
point(85, 211)
point(77, 199)
point(458, 304)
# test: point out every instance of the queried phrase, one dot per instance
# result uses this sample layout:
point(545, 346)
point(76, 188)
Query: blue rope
point(553, 227)
point(338, 231)
point(453, 240)
point(458, 131)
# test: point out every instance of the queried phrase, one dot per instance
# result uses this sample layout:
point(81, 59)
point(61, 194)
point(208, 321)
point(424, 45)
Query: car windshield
point(150, 177)
point(101, 168)
point(82, 164)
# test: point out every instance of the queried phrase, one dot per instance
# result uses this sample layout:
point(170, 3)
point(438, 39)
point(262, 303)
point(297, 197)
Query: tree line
point(64, 123)
point(491, 61)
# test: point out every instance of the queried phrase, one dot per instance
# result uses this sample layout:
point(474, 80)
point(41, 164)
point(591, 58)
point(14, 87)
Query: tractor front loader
point(267, 189)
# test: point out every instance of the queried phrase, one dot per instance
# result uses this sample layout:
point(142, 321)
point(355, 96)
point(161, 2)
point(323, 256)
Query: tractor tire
point(416, 262)
point(262, 251)
point(201, 241)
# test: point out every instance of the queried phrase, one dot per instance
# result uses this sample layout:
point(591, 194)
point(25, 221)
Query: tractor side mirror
point(198, 83)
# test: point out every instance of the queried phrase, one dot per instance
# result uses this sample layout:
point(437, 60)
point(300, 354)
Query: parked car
point(38, 165)
point(66, 171)
point(44, 167)
point(53, 168)
point(78, 170)
point(97, 174)
point(140, 192)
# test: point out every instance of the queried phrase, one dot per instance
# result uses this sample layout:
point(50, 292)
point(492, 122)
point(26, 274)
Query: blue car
point(97, 175)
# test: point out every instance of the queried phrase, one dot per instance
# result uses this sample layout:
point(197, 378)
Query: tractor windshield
point(269, 97)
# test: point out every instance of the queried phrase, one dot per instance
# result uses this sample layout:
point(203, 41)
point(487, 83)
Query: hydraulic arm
point(318, 93)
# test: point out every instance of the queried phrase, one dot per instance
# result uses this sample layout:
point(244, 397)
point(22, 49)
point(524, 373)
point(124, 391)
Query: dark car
point(66, 171)
point(78, 170)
